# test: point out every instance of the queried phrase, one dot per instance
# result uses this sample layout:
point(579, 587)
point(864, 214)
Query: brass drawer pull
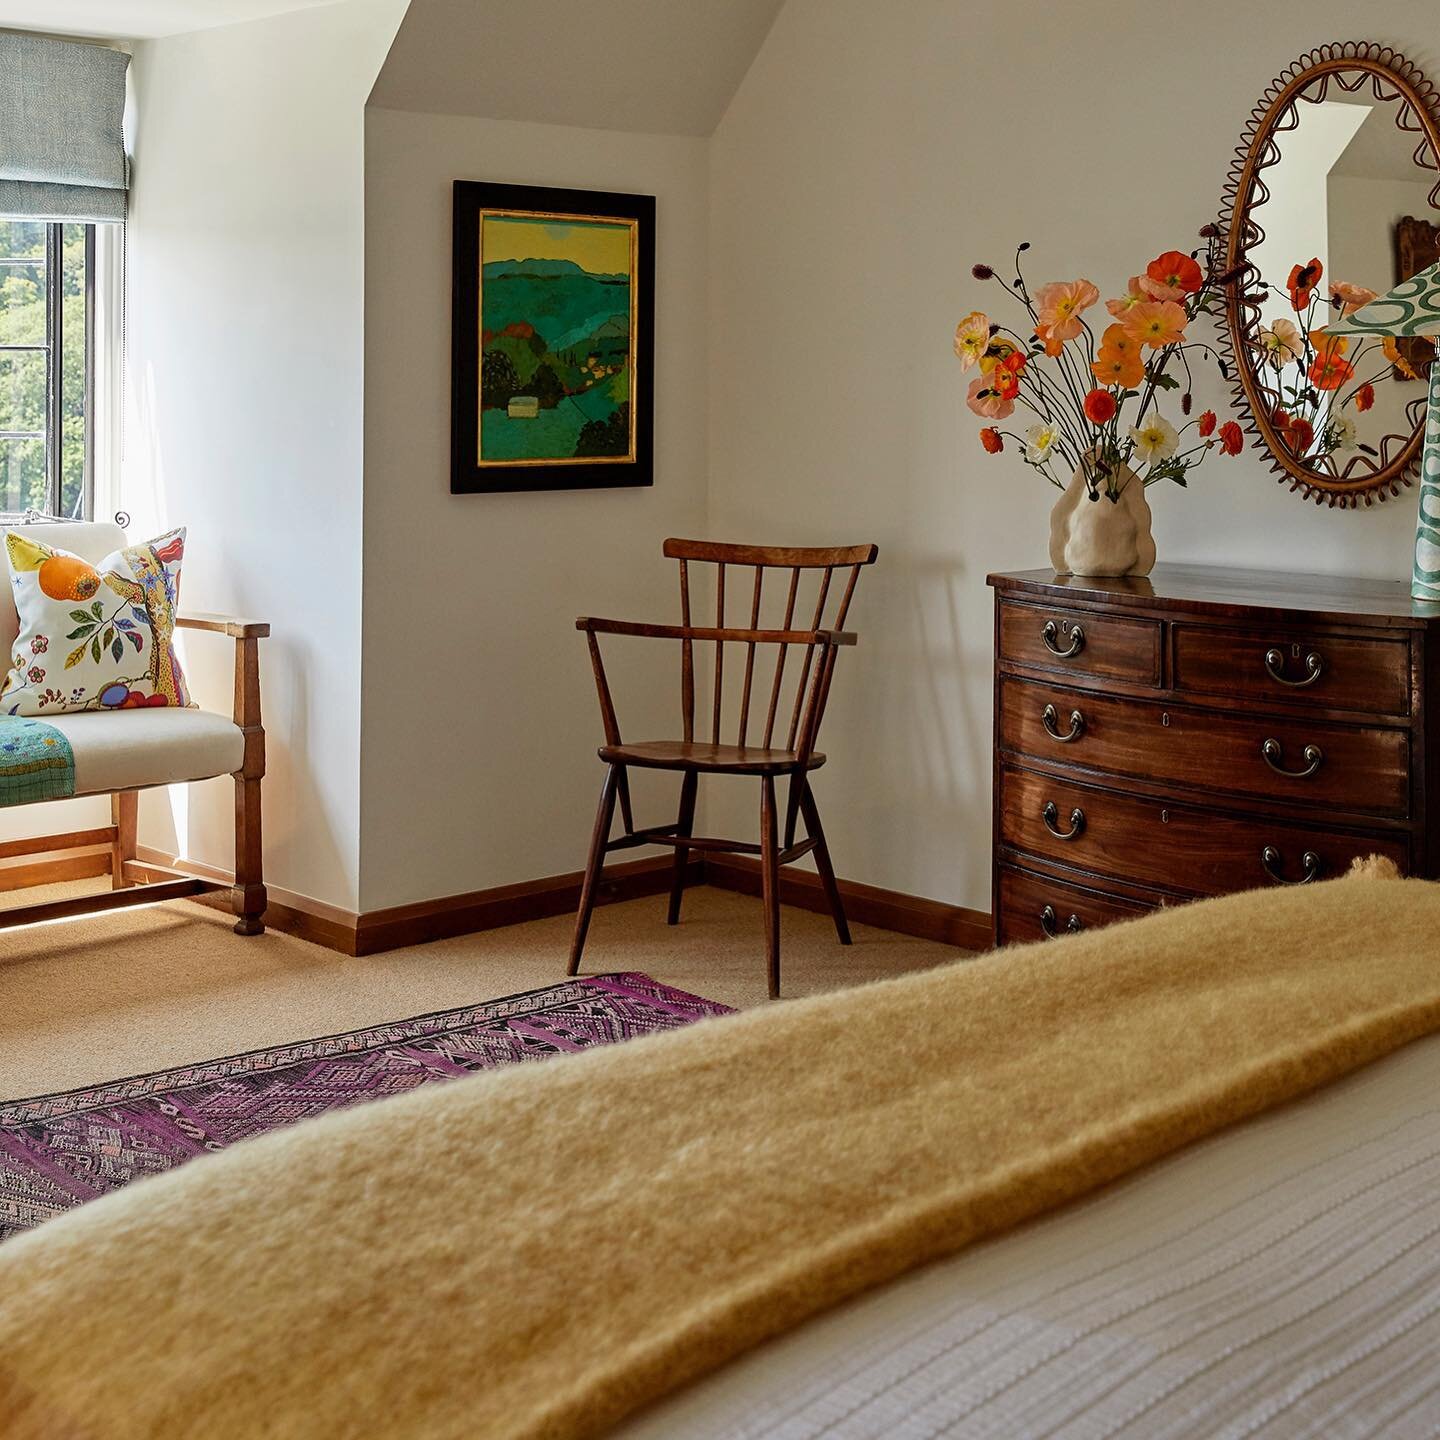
point(1051, 816)
point(1275, 668)
point(1051, 635)
point(1050, 717)
point(1049, 923)
point(1274, 753)
point(1270, 859)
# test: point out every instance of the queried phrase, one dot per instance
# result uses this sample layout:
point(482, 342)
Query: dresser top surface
point(1215, 588)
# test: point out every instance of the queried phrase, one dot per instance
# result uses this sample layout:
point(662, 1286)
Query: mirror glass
point(1336, 204)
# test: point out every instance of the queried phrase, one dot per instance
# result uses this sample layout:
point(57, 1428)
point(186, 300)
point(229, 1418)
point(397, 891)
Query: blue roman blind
point(62, 146)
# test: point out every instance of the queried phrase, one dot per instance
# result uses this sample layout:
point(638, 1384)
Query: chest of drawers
point(1202, 731)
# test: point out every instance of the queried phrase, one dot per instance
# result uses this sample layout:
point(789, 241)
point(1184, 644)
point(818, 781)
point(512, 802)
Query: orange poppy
point(992, 440)
point(1365, 397)
point(1175, 271)
point(1329, 370)
point(1232, 438)
point(1302, 282)
point(1118, 367)
point(1206, 424)
point(1157, 323)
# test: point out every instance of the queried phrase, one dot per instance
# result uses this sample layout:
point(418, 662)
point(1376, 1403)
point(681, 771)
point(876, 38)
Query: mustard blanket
point(540, 1250)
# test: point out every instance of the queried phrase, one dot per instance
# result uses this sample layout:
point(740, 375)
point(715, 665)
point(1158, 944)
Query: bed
point(1225, 1111)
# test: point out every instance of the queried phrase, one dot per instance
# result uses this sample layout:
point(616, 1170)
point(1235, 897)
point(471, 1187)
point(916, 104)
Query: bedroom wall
point(479, 715)
point(870, 156)
point(246, 261)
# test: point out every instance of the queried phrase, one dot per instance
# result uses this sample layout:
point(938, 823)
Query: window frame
point(53, 349)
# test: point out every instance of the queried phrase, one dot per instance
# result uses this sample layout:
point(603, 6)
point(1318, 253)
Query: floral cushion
point(94, 637)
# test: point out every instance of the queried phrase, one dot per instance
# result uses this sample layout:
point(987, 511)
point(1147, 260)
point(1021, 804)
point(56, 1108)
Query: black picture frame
point(468, 475)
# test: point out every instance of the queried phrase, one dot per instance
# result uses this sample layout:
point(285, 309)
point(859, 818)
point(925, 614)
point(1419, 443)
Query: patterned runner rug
point(58, 1151)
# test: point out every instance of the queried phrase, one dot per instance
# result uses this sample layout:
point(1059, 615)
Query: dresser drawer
point(1032, 907)
point(1336, 672)
point(1080, 642)
point(1292, 759)
point(1156, 842)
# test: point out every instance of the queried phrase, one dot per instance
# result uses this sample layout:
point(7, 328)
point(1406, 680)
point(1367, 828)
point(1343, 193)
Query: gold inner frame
point(632, 354)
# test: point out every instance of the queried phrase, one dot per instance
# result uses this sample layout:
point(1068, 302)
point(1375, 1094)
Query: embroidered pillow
point(94, 637)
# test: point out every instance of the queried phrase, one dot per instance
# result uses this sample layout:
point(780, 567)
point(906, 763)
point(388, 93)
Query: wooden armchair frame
point(795, 760)
point(134, 882)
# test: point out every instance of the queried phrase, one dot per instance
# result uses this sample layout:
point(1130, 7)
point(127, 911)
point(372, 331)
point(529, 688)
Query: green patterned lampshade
point(1413, 308)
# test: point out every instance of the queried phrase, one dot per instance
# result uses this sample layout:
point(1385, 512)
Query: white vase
point(1102, 536)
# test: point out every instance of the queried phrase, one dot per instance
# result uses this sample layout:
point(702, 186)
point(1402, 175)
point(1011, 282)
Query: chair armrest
point(224, 625)
point(705, 632)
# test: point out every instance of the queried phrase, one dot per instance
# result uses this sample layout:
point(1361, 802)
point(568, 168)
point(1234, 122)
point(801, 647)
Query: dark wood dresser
point(1202, 731)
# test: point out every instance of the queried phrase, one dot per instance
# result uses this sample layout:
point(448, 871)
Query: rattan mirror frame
point(1393, 79)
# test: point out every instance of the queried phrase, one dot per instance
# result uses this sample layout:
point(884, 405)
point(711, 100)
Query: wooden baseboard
point(865, 904)
point(451, 915)
point(511, 904)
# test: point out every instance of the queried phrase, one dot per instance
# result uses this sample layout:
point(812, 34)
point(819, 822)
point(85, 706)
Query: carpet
point(58, 1151)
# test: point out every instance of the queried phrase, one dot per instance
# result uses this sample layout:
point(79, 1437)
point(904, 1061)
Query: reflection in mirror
point(1334, 202)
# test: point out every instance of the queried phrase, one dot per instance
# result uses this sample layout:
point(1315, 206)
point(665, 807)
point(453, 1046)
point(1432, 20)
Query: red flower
point(1175, 271)
point(992, 440)
point(1300, 435)
point(1303, 280)
point(1232, 438)
point(1005, 377)
point(1100, 406)
point(1206, 424)
point(1365, 397)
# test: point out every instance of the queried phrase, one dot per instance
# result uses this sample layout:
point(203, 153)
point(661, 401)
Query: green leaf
point(116, 650)
point(94, 648)
point(83, 616)
point(1162, 381)
point(108, 636)
point(83, 630)
point(98, 610)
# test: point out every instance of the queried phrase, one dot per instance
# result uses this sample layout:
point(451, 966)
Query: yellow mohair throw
point(539, 1250)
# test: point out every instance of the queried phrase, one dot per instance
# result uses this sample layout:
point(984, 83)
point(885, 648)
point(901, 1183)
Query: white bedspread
point(1281, 1280)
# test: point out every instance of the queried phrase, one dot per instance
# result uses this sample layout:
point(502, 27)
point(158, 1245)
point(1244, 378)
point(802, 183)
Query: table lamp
point(1413, 308)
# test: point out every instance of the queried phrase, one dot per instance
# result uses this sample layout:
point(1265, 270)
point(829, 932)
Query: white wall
point(246, 342)
point(480, 721)
point(872, 153)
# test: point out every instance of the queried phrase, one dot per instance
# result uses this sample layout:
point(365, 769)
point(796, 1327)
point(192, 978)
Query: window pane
point(22, 283)
point(72, 378)
point(22, 475)
point(22, 390)
point(24, 238)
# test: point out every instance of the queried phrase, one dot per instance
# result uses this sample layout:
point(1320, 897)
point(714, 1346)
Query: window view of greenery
point(25, 369)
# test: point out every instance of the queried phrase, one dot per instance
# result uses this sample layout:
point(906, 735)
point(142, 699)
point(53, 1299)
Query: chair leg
point(684, 825)
point(599, 839)
point(822, 860)
point(770, 880)
point(124, 811)
point(248, 898)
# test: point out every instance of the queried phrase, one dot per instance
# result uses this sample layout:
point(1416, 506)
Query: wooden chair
point(691, 756)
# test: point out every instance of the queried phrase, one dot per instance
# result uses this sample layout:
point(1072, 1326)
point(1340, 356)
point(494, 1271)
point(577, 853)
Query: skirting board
point(451, 915)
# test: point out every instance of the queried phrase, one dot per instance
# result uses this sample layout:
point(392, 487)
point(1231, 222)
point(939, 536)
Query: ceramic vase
point(1101, 536)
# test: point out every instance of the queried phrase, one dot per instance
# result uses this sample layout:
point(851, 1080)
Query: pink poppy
point(991, 404)
point(1059, 306)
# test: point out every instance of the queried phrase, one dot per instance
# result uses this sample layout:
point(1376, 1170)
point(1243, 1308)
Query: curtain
point(62, 146)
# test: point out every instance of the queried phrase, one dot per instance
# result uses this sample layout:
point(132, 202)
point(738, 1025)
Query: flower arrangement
point(1096, 401)
point(1321, 383)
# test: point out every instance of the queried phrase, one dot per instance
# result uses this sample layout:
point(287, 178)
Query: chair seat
point(698, 755)
point(130, 749)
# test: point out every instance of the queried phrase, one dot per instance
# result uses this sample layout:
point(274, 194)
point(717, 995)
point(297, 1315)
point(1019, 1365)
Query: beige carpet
point(140, 990)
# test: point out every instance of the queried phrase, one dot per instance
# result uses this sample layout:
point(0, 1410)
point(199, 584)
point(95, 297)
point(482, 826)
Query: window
point(47, 368)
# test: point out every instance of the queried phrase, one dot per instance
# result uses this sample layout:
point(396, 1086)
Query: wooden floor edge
point(376, 931)
point(864, 904)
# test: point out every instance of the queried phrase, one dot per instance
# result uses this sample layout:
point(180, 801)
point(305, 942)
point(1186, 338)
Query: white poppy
point(1039, 442)
point(1156, 439)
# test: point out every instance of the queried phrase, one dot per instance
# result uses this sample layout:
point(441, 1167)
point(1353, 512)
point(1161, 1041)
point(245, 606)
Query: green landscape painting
point(557, 352)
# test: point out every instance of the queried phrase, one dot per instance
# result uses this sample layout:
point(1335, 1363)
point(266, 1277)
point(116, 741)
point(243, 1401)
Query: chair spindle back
point(813, 683)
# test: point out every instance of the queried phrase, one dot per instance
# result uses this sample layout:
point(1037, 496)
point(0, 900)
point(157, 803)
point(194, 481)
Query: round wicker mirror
point(1334, 195)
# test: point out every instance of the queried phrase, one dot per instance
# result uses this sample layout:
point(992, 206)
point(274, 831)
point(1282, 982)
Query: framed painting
point(553, 339)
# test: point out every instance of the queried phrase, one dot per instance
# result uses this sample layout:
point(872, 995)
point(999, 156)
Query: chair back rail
point(812, 687)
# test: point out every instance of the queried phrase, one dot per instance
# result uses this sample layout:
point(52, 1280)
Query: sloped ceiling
point(137, 19)
point(665, 67)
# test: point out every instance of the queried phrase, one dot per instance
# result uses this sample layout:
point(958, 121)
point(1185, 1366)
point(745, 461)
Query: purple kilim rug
point(58, 1151)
